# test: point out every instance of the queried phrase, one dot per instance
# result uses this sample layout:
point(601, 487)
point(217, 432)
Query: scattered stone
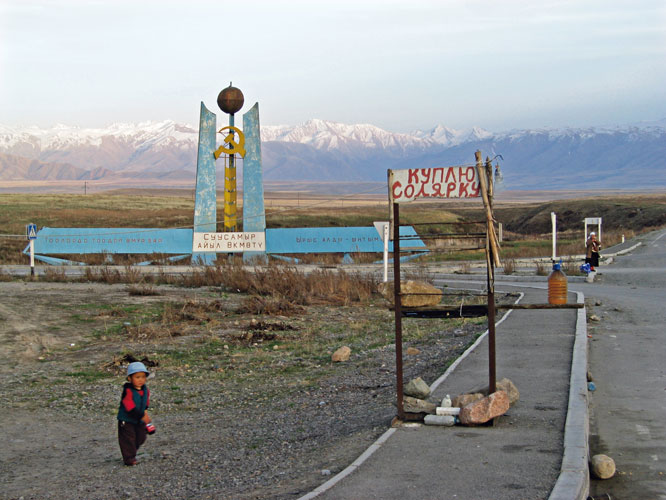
point(485, 409)
point(414, 293)
point(413, 351)
point(341, 354)
point(325, 472)
point(589, 376)
point(594, 317)
point(445, 420)
point(464, 399)
point(598, 303)
point(415, 405)
point(501, 385)
point(603, 466)
point(417, 388)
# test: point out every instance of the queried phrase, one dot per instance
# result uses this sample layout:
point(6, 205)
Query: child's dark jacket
point(133, 403)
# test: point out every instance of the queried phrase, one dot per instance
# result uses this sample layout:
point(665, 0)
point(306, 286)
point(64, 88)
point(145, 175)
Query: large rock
point(417, 388)
point(415, 405)
point(414, 293)
point(341, 354)
point(502, 385)
point(603, 466)
point(463, 400)
point(485, 409)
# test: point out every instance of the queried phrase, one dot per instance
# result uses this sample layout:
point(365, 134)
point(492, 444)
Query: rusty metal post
point(492, 377)
point(397, 301)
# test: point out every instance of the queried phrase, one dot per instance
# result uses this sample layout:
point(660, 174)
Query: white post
point(386, 249)
point(32, 257)
point(553, 219)
point(499, 236)
point(585, 233)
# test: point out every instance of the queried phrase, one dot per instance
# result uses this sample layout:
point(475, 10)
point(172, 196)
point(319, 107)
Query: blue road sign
point(31, 231)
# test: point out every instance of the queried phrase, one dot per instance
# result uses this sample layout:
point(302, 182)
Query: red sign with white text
point(437, 182)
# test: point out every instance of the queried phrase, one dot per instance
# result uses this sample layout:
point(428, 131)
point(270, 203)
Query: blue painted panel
point(53, 261)
point(205, 204)
point(333, 240)
point(254, 218)
point(78, 240)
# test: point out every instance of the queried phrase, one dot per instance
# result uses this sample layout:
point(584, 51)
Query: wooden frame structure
point(469, 181)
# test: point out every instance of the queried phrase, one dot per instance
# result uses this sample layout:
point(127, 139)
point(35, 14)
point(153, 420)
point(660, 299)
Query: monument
point(202, 242)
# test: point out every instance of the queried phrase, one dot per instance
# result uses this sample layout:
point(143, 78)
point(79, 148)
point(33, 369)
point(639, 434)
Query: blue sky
point(497, 64)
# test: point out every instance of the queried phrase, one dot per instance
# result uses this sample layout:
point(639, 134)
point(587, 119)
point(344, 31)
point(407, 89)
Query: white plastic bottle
point(446, 402)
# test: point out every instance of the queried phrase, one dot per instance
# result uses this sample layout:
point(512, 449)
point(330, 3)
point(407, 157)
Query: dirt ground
point(246, 407)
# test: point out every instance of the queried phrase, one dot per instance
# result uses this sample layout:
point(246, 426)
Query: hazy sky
point(401, 65)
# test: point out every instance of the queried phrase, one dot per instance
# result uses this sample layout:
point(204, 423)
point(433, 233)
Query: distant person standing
point(592, 254)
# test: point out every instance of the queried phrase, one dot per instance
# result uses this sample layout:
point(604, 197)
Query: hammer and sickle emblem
point(230, 139)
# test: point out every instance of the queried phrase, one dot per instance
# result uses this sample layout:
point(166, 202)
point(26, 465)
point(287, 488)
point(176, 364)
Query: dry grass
point(571, 267)
point(272, 306)
point(628, 216)
point(142, 291)
point(281, 283)
point(509, 266)
point(56, 274)
point(465, 268)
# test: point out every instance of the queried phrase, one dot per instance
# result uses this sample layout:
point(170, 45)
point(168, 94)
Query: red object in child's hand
point(150, 428)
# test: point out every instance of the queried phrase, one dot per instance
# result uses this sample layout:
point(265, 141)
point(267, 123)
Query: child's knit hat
point(137, 367)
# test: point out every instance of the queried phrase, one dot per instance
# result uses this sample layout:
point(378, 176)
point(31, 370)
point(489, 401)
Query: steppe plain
point(247, 401)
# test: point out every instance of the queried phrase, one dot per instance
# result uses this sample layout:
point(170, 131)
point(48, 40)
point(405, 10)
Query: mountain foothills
point(161, 153)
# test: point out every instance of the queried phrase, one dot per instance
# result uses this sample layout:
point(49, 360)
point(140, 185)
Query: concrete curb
point(574, 480)
point(384, 437)
point(626, 250)
point(508, 278)
point(355, 465)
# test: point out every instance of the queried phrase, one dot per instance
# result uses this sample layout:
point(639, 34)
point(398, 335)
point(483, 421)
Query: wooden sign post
point(469, 181)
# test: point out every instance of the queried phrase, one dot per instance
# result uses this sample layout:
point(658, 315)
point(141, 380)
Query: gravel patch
point(223, 430)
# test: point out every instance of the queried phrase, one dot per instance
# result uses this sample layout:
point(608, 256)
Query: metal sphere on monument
point(230, 100)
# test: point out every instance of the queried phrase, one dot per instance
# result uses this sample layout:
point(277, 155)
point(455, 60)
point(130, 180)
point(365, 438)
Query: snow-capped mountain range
point(319, 150)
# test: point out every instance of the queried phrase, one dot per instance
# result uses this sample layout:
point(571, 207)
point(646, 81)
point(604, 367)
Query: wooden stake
point(492, 236)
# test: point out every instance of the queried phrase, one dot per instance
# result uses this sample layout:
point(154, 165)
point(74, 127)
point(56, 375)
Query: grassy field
point(526, 226)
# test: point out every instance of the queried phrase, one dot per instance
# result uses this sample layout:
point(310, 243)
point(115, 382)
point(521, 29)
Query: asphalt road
point(627, 353)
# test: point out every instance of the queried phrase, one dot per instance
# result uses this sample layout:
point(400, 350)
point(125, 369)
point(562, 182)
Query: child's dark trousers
point(130, 437)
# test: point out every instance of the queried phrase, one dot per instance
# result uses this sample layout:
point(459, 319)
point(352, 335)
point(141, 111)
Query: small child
point(132, 416)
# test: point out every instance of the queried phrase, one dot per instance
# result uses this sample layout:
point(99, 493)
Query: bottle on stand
point(557, 285)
